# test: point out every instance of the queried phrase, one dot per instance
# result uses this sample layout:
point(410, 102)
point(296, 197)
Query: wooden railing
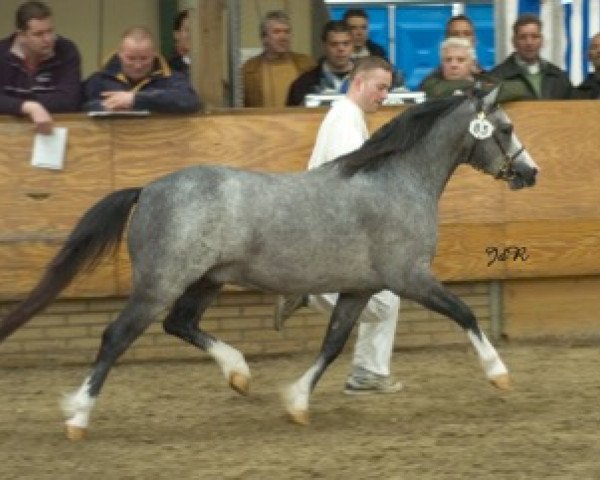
point(557, 221)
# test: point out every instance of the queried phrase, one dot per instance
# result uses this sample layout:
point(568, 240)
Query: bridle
point(481, 129)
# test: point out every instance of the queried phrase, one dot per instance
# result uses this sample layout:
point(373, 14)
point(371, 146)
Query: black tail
point(98, 231)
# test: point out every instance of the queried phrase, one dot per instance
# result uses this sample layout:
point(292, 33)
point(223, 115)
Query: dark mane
point(398, 135)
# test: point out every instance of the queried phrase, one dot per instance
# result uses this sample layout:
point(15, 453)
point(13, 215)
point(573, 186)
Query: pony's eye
point(506, 128)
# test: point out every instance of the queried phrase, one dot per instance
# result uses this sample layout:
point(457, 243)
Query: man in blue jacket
point(331, 73)
point(40, 72)
point(138, 78)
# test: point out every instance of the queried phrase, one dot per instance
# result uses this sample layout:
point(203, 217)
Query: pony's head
point(493, 146)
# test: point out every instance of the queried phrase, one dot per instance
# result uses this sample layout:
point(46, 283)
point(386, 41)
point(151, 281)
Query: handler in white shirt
point(343, 130)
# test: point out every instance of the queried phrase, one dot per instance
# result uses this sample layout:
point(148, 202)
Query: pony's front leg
point(493, 366)
point(296, 396)
point(346, 312)
point(429, 292)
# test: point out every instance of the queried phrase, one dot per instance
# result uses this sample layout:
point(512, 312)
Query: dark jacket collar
point(546, 68)
point(7, 43)
point(113, 68)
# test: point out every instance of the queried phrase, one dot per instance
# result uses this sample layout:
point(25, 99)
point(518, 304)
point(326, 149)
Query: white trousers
point(376, 330)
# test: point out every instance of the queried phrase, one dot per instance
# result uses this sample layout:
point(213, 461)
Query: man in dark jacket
point(536, 77)
point(40, 72)
point(590, 87)
point(331, 74)
point(358, 22)
point(138, 78)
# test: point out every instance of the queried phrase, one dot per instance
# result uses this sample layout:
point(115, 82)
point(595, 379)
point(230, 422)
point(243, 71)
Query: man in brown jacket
point(268, 76)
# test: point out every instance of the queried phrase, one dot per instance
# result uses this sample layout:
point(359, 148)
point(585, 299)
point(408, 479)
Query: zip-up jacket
point(315, 80)
point(555, 83)
point(56, 83)
point(163, 90)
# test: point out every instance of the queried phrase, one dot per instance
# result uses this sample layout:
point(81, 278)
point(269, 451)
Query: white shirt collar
point(531, 68)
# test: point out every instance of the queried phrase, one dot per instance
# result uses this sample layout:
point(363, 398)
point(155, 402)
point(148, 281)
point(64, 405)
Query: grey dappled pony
point(362, 223)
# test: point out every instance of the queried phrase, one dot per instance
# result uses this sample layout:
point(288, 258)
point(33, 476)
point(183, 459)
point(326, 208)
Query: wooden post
point(167, 11)
point(208, 51)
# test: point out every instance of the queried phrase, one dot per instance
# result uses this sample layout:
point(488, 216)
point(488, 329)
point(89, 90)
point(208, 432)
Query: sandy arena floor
point(181, 421)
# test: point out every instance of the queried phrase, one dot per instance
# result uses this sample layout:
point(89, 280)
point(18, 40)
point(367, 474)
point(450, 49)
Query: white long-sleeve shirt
point(342, 131)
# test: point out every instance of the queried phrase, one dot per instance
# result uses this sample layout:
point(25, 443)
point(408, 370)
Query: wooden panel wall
point(559, 306)
point(558, 221)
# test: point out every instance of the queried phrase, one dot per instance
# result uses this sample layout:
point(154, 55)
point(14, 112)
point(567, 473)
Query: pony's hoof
point(75, 434)
point(299, 417)
point(295, 404)
point(501, 382)
point(240, 383)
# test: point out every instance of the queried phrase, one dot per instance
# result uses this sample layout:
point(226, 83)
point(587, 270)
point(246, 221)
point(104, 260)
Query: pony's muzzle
point(524, 175)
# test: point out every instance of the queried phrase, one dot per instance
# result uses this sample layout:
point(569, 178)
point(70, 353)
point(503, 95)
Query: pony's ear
point(491, 98)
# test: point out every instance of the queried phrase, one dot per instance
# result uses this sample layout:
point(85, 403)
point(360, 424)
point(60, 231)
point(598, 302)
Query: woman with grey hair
point(457, 73)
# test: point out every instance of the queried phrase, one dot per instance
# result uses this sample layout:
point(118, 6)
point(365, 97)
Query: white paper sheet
point(49, 150)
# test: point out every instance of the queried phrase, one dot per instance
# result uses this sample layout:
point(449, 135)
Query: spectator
point(590, 87)
point(456, 71)
point(40, 72)
point(343, 130)
point(456, 75)
point(462, 26)
point(138, 78)
point(358, 22)
point(535, 77)
point(331, 74)
point(459, 26)
point(268, 76)
point(180, 61)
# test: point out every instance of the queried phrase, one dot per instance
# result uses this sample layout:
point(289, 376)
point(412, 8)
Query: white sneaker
point(363, 382)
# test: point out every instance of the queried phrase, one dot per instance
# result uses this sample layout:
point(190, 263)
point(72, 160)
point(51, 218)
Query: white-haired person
point(458, 26)
point(457, 74)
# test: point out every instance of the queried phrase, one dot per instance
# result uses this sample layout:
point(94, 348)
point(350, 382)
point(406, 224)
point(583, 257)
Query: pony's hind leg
point(432, 294)
point(117, 337)
point(183, 320)
point(345, 314)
